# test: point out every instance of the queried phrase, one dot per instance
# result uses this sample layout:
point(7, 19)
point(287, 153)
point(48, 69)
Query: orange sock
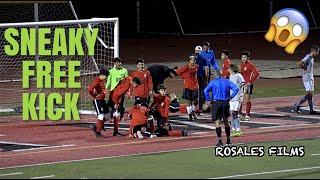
point(99, 125)
point(248, 108)
point(115, 124)
point(174, 133)
point(152, 129)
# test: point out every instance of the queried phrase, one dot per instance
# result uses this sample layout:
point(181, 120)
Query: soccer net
point(106, 48)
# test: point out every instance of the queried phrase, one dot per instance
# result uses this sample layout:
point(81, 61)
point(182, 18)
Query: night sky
point(196, 16)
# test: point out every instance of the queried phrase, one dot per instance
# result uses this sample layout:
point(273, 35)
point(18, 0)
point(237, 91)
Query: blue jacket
point(202, 62)
point(211, 59)
point(220, 88)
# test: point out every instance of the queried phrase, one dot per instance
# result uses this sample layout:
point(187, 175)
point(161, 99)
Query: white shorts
point(309, 85)
point(234, 105)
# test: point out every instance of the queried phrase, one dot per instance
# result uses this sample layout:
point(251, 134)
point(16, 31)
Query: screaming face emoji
point(288, 28)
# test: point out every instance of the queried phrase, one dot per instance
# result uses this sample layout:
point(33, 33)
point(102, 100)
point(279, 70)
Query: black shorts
point(220, 109)
point(174, 106)
point(249, 89)
point(190, 94)
point(101, 106)
point(158, 117)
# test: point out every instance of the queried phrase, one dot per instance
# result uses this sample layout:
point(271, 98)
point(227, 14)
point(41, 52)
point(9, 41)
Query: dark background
point(196, 16)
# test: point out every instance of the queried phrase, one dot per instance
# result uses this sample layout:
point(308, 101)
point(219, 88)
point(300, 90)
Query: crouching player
point(140, 120)
point(160, 110)
point(237, 79)
point(116, 96)
point(96, 90)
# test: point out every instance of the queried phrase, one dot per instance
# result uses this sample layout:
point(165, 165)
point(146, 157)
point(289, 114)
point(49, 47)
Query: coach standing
point(202, 75)
point(211, 59)
point(220, 88)
point(159, 73)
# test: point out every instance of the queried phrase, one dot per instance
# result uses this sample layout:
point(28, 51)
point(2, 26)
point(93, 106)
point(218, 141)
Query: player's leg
point(106, 112)
point(225, 115)
point(99, 124)
point(307, 86)
point(122, 109)
point(194, 101)
point(215, 116)
point(201, 90)
point(248, 102)
point(233, 119)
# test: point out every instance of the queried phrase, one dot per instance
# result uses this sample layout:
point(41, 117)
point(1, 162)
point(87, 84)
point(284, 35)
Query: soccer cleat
point(313, 112)
point(153, 136)
point(296, 108)
point(247, 118)
point(100, 136)
point(94, 129)
point(233, 134)
point(220, 144)
point(239, 133)
point(241, 117)
point(139, 134)
point(228, 142)
point(200, 114)
point(118, 134)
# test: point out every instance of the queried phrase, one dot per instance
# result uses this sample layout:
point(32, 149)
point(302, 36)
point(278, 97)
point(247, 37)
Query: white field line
point(42, 177)
point(11, 174)
point(30, 149)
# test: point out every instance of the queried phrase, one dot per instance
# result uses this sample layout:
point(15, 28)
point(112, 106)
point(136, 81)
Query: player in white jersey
point(307, 76)
point(235, 102)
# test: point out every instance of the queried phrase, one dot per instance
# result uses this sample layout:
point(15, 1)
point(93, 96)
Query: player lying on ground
point(220, 88)
point(308, 80)
point(191, 86)
point(250, 74)
point(160, 110)
point(96, 90)
point(116, 96)
point(140, 121)
point(237, 79)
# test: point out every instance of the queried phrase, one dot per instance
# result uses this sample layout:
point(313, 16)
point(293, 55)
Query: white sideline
point(270, 172)
point(194, 124)
point(42, 177)
point(48, 147)
point(11, 174)
point(315, 154)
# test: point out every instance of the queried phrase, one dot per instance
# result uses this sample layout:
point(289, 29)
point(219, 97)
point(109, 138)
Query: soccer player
point(159, 73)
point(117, 73)
point(211, 59)
point(96, 90)
point(202, 75)
point(145, 90)
point(250, 74)
point(308, 80)
point(226, 63)
point(237, 79)
point(116, 97)
point(220, 88)
point(160, 110)
point(139, 120)
point(191, 86)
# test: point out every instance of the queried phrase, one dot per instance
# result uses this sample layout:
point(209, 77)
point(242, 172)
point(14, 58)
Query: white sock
point(194, 108)
point(189, 110)
point(238, 129)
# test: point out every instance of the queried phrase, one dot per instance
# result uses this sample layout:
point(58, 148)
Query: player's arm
point(109, 79)
point(152, 106)
point(167, 107)
point(303, 62)
point(207, 91)
point(214, 62)
point(92, 86)
point(181, 71)
point(150, 83)
point(255, 73)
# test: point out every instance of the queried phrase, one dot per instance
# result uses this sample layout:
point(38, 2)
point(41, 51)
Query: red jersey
point(162, 104)
point(139, 115)
point(121, 89)
point(189, 74)
point(225, 69)
point(249, 72)
point(97, 87)
point(146, 84)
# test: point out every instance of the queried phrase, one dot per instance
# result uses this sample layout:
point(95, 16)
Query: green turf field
point(200, 163)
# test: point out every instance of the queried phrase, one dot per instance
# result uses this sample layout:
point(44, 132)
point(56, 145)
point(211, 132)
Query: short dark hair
point(117, 59)
point(140, 60)
point(137, 80)
point(206, 43)
point(315, 47)
point(192, 56)
point(226, 52)
point(161, 86)
point(104, 72)
point(247, 53)
point(234, 68)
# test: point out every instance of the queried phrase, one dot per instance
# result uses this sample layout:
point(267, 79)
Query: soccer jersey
point(115, 77)
point(189, 74)
point(308, 72)
point(162, 104)
point(146, 84)
point(238, 80)
point(97, 87)
point(225, 69)
point(249, 72)
point(122, 87)
point(138, 115)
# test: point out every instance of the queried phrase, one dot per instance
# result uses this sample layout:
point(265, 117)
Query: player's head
point(314, 50)
point(173, 72)
point(225, 54)
point(140, 64)
point(192, 60)
point(104, 73)
point(197, 49)
point(233, 69)
point(136, 82)
point(162, 89)
point(117, 62)
point(245, 56)
point(206, 46)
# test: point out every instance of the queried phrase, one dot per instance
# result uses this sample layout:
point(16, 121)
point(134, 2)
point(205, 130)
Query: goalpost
point(106, 48)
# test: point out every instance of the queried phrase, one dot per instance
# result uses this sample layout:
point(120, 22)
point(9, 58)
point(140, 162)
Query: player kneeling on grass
point(237, 79)
point(308, 80)
point(160, 110)
point(140, 120)
point(116, 96)
point(96, 90)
